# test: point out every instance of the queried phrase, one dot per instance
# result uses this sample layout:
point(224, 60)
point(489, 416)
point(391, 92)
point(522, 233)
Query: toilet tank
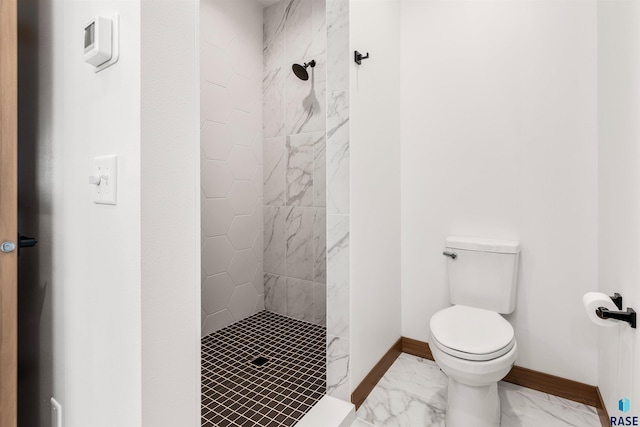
point(484, 273)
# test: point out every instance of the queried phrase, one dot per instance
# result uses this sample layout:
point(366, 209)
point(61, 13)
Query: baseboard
point(550, 384)
point(416, 348)
point(546, 383)
point(369, 382)
point(602, 411)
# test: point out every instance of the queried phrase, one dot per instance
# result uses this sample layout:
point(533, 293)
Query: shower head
point(301, 71)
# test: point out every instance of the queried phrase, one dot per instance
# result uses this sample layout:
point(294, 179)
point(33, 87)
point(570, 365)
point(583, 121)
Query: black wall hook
point(357, 57)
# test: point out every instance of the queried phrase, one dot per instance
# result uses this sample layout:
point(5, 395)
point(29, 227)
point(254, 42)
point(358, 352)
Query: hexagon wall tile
point(217, 321)
point(243, 267)
point(242, 162)
point(257, 214)
point(243, 232)
point(242, 91)
point(245, 58)
point(215, 65)
point(243, 301)
point(244, 127)
point(217, 252)
point(242, 197)
point(260, 304)
point(216, 141)
point(258, 279)
point(258, 246)
point(258, 180)
point(216, 293)
point(231, 78)
point(216, 217)
point(215, 103)
point(216, 178)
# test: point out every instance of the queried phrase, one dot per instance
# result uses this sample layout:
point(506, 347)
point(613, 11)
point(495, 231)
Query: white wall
point(231, 161)
point(375, 183)
point(119, 284)
point(619, 200)
point(95, 249)
point(498, 103)
point(170, 217)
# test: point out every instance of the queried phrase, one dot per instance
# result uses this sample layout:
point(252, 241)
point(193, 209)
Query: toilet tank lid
point(483, 245)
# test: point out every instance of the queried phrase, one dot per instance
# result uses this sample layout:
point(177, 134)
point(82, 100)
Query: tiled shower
point(275, 159)
point(263, 161)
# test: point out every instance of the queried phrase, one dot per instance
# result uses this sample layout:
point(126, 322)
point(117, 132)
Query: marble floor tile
point(413, 393)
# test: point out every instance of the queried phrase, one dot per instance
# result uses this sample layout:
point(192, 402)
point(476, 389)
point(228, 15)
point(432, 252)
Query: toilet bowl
point(475, 348)
point(470, 341)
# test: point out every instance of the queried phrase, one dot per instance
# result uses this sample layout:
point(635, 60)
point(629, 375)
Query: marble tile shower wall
point(231, 162)
point(338, 199)
point(294, 128)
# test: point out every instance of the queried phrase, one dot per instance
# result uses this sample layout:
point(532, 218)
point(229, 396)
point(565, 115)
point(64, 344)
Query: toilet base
point(477, 406)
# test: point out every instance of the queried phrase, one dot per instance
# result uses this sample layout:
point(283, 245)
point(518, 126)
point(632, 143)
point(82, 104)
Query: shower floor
point(237, 392)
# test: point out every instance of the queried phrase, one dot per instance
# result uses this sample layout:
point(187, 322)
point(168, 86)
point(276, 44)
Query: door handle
point(26, 242)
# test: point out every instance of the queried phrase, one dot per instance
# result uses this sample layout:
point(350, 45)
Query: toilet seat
point(471, 333)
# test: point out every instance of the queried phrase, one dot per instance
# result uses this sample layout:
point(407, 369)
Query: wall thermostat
point(101, 42)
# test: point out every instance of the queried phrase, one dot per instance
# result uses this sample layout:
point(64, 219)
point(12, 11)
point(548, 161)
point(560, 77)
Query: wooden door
point(8, 213)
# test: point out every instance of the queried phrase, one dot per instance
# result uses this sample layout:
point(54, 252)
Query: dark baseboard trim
point(369, 382)
point(416, 348)
point(602, 411)
point(546, 383)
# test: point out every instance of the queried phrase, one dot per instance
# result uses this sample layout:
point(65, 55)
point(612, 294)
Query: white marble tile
point(275, 293)
point(548, 397)
point(300, 299)
point(305, 103)
point(414, 391)
point(391, 406)
point(299, 237)
point(338, 275)
point(319, 27)
point(338, 153)
point(274, 240)
point(320, 246)
point(273, 85)
point(418, 376)
point(273, 48)
point(299, 172)
point(298, 30)
point(360, 423)
point(319, 304)
point(338, 371)
point(319, 169)
point(274, 171)
point(522, 410)
point(338, 51)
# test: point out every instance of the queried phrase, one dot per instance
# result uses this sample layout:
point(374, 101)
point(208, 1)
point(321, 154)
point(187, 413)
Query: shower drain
point(260, 361)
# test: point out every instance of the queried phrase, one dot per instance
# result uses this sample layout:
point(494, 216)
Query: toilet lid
point(472, 333)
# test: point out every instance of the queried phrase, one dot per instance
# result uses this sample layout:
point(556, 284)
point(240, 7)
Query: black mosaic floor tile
point(237, 392)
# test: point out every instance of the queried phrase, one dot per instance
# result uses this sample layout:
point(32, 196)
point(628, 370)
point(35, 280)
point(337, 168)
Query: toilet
point(470, 341)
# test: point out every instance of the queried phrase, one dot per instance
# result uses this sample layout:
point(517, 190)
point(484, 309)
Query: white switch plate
point(107, 168)
point(56, 413)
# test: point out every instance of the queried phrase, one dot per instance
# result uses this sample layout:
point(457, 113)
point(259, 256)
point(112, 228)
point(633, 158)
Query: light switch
point(105, 179)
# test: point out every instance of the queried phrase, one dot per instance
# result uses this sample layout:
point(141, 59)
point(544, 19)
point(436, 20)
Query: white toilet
point(470, 341)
